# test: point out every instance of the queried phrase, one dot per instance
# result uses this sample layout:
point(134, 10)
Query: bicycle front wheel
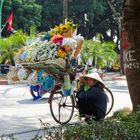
point(110, 100)
point(61, 107)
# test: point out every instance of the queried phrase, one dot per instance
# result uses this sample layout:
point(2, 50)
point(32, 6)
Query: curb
point(114, 77)
point(3, 82)
point(6, 82)
point(118, 78)
point(105, 78)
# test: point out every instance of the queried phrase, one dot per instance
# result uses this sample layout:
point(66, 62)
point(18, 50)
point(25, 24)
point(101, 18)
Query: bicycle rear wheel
point(61, 107)
point(110, 100)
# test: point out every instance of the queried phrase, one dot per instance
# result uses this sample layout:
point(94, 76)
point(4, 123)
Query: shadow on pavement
point(10, 124)
point(30, 101)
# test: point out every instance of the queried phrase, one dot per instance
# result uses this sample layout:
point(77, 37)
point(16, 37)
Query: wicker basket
point(51, 68)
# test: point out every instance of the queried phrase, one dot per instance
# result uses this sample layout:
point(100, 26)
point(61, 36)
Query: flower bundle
point(49, 53)
point(62, 28)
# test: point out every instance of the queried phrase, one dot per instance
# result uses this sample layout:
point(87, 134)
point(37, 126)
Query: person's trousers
point(87, 107)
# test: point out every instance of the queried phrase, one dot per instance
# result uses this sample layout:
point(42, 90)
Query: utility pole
point(1, 4)
point(65, 9)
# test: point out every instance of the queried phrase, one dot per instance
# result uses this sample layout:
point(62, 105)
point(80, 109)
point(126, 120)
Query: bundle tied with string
point(12, 75)
point(80, 42)
point(69, 33)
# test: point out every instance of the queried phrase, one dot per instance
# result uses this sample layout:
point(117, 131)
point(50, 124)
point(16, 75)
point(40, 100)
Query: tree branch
point(113, 9)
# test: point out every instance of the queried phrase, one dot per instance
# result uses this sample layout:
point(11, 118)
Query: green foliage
point(128, 127)
point(92, 16)
point(33, 31)
point(121, 113)
point(52, 14)
point(26, 13)
point(10, 45)
point(123, 125)
point(100, 51)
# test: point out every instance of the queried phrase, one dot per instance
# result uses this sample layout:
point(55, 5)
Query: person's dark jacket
point(95, 96)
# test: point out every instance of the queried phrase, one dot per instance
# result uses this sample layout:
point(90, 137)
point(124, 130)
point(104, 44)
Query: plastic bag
point(69, 42)
point(80, 42)
point(22, 74)
point(32, 79)
point(66, 87)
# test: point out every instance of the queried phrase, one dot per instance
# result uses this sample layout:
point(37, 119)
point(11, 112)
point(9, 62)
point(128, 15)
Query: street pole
point(65, 8)
point(1, 4)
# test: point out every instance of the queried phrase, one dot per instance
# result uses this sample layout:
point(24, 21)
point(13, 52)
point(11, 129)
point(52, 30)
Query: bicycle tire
point(110, 100)
point(61, 110)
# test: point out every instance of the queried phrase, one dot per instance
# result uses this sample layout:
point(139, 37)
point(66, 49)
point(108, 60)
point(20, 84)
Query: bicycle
point(62, 107)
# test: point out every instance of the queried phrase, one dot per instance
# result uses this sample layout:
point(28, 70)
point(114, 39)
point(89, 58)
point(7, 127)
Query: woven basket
point(51, 68)
point(35, 66)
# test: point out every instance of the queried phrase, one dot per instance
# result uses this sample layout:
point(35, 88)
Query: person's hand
point(82, 81)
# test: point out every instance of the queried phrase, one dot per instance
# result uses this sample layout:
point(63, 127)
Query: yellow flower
point(57, 29)
point(61, 54)
point(69, 24)
point(63, 28)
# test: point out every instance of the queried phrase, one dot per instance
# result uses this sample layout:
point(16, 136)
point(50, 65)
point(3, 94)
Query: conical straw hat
point(95, 76)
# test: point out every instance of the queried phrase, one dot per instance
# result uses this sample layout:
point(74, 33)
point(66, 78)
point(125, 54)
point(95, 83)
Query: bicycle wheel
point(61, 107)
point(110, 100)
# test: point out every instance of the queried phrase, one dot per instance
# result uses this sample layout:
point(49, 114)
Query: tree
point(96, 16)
point(52, 14)
point(100, 52)
point(10, 45)
point(26, 14)
point(131, 24)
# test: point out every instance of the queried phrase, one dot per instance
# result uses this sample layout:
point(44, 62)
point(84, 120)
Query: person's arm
point(80, 92)
point(93, 93)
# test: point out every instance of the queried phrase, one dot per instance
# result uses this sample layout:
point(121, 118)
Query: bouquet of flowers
point(50, 53)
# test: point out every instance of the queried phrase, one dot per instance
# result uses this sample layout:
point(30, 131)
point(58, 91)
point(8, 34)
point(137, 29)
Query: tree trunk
point(131, 24)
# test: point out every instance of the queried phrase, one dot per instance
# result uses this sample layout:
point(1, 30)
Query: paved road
point(19, 112)
point(121, 95)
